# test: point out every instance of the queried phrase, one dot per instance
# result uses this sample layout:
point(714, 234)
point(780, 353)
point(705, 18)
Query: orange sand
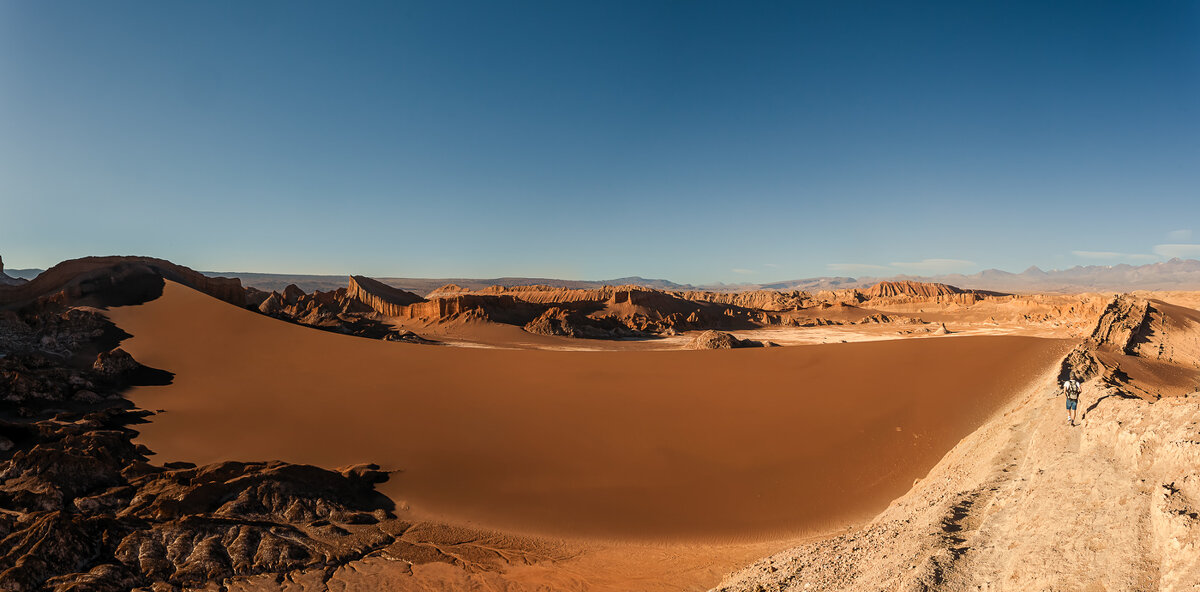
point(638, 444)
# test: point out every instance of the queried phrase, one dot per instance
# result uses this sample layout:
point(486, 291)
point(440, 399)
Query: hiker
point(1071, 388)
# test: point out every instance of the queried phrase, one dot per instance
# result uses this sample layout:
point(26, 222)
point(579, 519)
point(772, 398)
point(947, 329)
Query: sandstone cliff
point(381, 297)
point(917, 289)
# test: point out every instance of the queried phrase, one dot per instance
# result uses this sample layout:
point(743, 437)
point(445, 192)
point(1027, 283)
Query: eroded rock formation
point(614, 312)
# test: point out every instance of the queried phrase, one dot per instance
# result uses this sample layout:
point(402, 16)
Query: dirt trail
point(1065, 515)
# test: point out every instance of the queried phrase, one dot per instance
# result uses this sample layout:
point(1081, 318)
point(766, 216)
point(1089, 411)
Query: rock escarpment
point(1124, 320)
point(1145, 347)
point(572, 323)
point(381, 297)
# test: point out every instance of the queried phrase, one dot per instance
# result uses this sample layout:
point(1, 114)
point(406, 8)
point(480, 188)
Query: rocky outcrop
point(108, 281)
point(408, 337)
point(570, 323)
point(880, 318)
point(1124, 324)
point(114, 363)
point(765, 300)
point(272, 305)
point(291, 294)
point(1123, 321)
point(723, 340)
point(334, 310)
point(90, 511)
point(1147, 348)
point(914, 289)
point(715, 340)
point(382, 298)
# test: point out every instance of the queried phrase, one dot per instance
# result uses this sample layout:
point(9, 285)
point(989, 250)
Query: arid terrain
point(166, 429)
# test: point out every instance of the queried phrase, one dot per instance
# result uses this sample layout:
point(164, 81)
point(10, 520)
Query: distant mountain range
point(23, 274)
point(1176, 274)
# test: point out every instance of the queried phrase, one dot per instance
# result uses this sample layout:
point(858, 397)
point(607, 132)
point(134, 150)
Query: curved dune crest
point(641, 444)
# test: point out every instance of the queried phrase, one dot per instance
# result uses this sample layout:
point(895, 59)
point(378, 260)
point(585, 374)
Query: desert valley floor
point(908, 437)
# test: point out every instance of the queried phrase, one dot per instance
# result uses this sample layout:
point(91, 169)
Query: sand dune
point(692, 444)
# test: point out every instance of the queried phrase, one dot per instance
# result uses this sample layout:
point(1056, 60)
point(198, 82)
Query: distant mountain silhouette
point(1176, 274)
point(24, 274)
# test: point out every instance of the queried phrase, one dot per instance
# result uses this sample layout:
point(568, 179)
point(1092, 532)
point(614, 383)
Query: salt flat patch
point(626, 444)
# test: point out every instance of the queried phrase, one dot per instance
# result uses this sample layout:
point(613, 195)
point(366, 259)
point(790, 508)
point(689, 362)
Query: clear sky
point(694, 141)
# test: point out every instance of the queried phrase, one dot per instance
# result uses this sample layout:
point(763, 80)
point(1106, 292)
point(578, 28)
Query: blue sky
point(694, 141)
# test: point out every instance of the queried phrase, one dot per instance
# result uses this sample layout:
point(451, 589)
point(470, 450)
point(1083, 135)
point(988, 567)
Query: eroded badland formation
point(165, 429)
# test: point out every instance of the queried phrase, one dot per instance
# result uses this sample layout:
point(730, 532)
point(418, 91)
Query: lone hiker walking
point(1071, 389)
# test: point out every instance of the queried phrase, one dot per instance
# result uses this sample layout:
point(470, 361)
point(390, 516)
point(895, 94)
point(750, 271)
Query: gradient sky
point(699, 142)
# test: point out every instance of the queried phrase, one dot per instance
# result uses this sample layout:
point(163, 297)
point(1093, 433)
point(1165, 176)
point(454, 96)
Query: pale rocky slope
point(1029, 503)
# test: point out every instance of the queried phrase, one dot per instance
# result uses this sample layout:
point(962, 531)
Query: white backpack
point(1072, 389)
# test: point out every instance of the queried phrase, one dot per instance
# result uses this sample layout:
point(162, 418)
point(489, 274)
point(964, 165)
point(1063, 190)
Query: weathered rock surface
point(722, 340)
point(571, 323)
point(337, 310)
point(381, 297)
point(922, 290)
point(114, 363)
